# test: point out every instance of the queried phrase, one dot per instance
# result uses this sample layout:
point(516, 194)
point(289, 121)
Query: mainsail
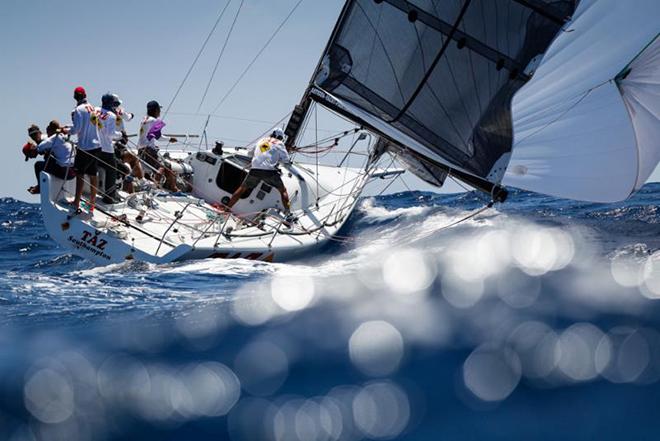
point(437, 77)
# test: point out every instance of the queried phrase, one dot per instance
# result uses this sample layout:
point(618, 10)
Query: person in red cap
point(85, 120)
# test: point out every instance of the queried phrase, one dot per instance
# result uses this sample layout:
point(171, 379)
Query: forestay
point(437, 77)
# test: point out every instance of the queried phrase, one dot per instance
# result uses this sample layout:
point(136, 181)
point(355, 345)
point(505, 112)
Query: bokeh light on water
point(409, 333)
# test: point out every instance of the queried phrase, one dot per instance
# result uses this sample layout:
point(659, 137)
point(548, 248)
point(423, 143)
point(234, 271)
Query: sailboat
point(560, 97)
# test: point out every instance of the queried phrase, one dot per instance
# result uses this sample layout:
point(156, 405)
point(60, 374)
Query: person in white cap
point(266, 154)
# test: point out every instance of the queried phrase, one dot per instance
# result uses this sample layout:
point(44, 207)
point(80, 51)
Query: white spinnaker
point(641, 93)
point(573, 135)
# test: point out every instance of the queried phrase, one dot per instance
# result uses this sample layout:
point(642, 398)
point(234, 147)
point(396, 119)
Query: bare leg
point(94, 182)
point(80, 183)
point(128, 187)
point(234, 197)
point(285, 199)
point(134, 163)
point(170, 179)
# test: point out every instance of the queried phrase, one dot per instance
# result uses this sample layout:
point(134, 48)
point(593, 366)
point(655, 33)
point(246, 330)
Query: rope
point(222, 51)
point(466, 218)
point(344, 203)
point(254, 60)
point(316, 137)
point(199, 53)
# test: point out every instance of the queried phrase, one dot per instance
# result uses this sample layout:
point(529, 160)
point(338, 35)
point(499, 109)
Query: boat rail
point(177, 216)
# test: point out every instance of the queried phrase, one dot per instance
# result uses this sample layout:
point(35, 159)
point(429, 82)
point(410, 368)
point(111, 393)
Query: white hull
point(187, 227)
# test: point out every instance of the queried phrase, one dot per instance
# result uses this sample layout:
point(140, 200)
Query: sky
point(142, 51)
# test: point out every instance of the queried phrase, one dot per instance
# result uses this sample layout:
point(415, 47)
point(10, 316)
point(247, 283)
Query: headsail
point(437, 77)
point(587, 125)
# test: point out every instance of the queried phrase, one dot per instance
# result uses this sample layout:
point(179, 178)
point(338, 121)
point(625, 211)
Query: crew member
point(151, 131)
point(86, 162)
point(61, 155)
point(267, 153)
point(107, 133)
point(129, 165)
point(30, 152)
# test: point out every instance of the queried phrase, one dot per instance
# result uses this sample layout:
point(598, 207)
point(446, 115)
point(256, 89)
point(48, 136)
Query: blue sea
point(538, 319)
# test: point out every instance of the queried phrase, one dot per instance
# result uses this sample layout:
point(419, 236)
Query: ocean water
point(538, 319)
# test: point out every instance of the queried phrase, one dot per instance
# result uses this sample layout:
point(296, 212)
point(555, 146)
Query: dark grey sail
point(437, 77)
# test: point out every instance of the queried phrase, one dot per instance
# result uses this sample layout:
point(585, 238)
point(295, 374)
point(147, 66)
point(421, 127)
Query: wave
point(399, 318)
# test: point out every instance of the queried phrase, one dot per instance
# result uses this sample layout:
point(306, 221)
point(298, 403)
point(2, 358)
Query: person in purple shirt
point(151, 129)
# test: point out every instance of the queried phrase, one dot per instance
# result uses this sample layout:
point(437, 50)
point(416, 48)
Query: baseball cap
point(153, 105)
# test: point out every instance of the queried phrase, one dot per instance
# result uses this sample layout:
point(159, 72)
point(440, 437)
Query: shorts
point(53, 168)
point(270, 177)
point(150, 156)
point(86, 162)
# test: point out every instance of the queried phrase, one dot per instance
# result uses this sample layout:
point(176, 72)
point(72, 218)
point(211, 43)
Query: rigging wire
point(235, 118)
point(222, 51)
point(254, 60)
point(199, 54)
point(316, 134)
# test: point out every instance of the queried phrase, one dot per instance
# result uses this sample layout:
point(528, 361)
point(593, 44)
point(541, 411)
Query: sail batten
point(461, 38)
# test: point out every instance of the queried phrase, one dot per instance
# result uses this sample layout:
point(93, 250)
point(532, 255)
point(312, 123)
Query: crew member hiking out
point(266, 154)
point(86, 162)
point(151, 131)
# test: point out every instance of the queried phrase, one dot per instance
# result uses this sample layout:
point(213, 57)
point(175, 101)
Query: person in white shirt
point(266, 154)
point(151, 131)
point(62, 155)
point(107, 133)
point(86, 162)
point(59, 154)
